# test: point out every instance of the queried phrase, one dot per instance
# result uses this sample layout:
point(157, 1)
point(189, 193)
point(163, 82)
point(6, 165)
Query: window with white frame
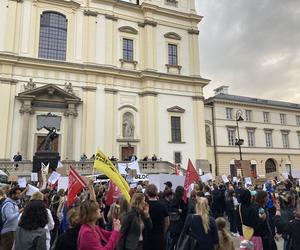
point(176, 128)
point(177, 157)
point(229, 112)
point(231, 136)
point(251, 137)
point(285, 140)
point(172, 54)
point(269, 140)
point(282, 118)
point(248, 115)
point(298, 120)
point(127, 49)
point(266, 116)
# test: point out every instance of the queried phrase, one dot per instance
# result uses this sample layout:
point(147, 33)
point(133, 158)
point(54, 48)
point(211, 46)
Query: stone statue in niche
point(30, 85)
point(208, 135)
point(128, 125)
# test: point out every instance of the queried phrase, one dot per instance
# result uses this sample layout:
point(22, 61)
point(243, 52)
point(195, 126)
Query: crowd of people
point(153, 220)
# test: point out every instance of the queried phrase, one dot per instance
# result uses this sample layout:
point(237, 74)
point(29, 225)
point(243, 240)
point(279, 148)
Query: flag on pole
point(76, 184)
point(190, 177)
point(105, 166)
point(113, 193)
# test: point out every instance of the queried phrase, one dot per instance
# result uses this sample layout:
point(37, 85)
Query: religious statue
point(69, 87)
point(128, 125)
point(208, 135)
point(48, 141)
point(30, 85)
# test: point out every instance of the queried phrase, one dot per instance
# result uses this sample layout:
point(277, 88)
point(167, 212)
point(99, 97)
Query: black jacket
point(131, 229)
point(68, 240)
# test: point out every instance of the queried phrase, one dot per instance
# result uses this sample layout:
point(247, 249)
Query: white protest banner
point(63, 183)
point(122, 168)
point(159, 179)
point(248, 181)
point(224, 178)
point(134, 165)
point(206, 177)
point(285, 175)
point(22, 182)
point(235, 179)
point(31, 190)
point(296, 174)
point(34, 177)
point(53, 178)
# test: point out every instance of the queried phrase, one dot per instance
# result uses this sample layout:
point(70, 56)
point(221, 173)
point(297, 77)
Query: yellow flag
point(105, 166)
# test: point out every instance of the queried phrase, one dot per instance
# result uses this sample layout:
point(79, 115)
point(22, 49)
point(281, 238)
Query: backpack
point(2, 222)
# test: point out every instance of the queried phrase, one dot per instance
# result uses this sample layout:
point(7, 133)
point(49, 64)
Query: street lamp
point(238, 141)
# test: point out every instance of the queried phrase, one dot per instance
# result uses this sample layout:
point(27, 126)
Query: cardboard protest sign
point(22, 182)
point(13, 178)
point(31, 190)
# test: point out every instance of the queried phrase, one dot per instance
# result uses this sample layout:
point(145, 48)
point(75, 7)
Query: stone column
point(71, 112)
point(26, 111)
point(150, 52)
point(200, 139)
point(194, 52)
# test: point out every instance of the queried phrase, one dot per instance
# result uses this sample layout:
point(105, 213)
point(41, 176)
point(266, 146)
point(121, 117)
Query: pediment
point(49, 95)
point(172, 35)
point(176, 109)
point(128, 29)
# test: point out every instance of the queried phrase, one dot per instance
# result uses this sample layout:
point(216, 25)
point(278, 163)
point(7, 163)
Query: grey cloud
point(251, 45)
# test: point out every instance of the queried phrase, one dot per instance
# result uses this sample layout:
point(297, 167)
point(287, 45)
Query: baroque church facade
point(122, 76)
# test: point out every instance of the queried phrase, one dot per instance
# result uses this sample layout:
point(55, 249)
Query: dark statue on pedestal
point(47, 144)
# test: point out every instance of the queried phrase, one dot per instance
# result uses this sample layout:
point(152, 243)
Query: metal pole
point(238, 132)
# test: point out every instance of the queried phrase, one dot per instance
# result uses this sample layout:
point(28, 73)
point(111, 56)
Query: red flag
point(113, 193)
point(190, 177)
point(76, 184)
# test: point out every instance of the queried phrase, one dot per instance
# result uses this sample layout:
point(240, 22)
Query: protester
point(50, 225)
point(83, 159)
point(31, 233)
point(225, 240)
point(134, 224)
point(178, 214)
point(91, 236)
point(68, 240)
point(290, 228)
point(202, 227)
point(10, 213)
point(17, 158)
point(248, 216)
point(231, 211)
point(160, 220)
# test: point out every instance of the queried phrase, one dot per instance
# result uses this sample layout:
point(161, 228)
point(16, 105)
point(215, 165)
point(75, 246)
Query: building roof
point(252, 100)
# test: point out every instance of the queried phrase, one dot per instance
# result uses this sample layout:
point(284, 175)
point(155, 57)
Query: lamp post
point(238, 141)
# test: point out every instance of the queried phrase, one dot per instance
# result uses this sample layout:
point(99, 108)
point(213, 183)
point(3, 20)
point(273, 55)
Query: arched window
point(128, 125)
point(53, 36)
point(270, 166)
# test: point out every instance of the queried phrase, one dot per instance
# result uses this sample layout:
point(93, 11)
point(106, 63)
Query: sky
point(253, 46)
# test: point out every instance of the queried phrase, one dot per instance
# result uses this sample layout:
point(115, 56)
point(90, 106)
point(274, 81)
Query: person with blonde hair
point(225, 239)
point(134, 224)
point(201, 227)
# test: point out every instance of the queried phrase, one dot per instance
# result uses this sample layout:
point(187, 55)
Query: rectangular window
point(266, 117)
point(285, 140)
point(231, 137)
point(177, 157)
point(251, 138)
point(229, 113)
point(248, 115)
point(282, 118)
point(172, 54)
point(128, 49)
point(176, 129)
point(269, 140)
point(298, 120)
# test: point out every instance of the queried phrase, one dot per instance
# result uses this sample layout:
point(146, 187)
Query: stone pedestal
point(45, 157)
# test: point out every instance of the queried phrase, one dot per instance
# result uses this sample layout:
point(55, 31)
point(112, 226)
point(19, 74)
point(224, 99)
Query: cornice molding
point(176, 109)
point(90, 13)
point(8, 81)
point(111, 17)
point(20, 61)
point(111, 91)
point(198, 98)
point(89, 88)
point(193, 31)
point(148, 93)
point(63, 3)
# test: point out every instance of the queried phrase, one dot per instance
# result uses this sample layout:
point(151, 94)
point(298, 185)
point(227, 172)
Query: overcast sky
point(253, 46)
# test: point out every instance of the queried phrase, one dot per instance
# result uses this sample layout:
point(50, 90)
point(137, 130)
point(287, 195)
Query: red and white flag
point(113, 193)
point(76, 184)
point(190, 177)
point(177, 171)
